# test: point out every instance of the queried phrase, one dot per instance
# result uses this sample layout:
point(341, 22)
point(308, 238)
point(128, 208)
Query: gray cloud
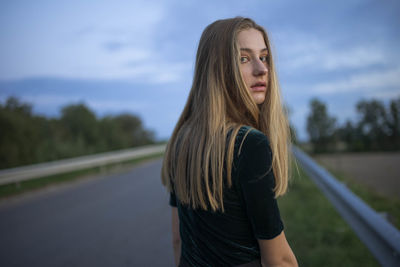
point(113, 46)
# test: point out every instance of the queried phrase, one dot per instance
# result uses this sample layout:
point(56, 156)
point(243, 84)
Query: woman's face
point(253, 62)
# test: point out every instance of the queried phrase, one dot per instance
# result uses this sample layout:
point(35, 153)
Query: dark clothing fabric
point(251, 211)
point(255, 263)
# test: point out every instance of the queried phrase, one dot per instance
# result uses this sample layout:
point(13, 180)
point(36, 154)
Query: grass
point(30, 185)
point(316, 232)
point(378, 202)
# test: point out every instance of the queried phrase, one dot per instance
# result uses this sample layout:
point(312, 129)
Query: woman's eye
point(244, 59)
point(264, 58)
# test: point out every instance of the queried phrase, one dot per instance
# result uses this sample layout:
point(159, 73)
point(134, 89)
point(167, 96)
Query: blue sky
point(138, 56)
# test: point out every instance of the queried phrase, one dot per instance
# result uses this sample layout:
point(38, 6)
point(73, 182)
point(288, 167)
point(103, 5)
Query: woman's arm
point(176, 238)
point(276, 252)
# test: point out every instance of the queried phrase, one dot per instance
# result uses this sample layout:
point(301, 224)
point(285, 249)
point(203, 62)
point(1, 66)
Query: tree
point(125, 130)
point(80, 128)
point(14, 105)
point(320, 127)
point(132, 127)
point(393, 123)
point(19, 134)
point(350, 135)
point(377, 127)
point(26, 138)
point(373, 124)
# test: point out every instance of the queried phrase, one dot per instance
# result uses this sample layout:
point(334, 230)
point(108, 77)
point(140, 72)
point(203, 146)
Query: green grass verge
point(29, 185)
point(378, 202)
point(316, 232)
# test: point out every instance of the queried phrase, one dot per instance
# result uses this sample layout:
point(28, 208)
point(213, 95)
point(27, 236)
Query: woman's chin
point(259, 99)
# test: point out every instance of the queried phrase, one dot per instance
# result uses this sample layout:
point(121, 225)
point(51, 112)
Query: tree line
point(377, 127)
point(26, 138)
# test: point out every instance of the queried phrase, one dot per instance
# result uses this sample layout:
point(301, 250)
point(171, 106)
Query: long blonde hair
point(218, 103)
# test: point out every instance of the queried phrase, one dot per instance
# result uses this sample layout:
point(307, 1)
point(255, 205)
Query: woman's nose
point(259, 68)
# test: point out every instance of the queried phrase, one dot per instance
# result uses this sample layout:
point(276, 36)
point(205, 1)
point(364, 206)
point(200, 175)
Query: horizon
point(139, 57)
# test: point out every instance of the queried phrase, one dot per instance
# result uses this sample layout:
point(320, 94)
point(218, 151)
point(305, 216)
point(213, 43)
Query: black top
point(251, 211)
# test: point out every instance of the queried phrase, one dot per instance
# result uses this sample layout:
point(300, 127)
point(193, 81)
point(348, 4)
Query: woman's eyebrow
point(251, 50)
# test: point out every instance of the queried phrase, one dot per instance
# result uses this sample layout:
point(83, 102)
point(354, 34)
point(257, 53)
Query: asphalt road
point(114, 220)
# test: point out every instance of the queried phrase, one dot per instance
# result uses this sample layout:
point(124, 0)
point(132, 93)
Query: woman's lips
point(258, 87)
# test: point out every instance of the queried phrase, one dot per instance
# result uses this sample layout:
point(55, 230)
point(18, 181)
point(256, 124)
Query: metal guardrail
point(29, 172)
point(381, 238)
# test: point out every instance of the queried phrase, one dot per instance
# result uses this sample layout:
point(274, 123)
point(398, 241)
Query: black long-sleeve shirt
point(251, 212)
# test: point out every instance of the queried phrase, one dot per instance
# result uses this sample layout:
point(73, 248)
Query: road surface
point(113, 220)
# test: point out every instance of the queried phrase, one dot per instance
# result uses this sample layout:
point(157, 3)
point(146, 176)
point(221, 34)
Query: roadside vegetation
point(316, 232)
point(388, 207)
point(27, 138)
point(377, 128)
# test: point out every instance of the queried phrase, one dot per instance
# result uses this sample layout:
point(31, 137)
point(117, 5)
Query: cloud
point(358, 57)
point(373, 81)
point(160, 72)
point(113, 46)
point(89, 47)
point(105, 105)
point(300, 51)
point(391, 94)
point(51, 100)
point(117, 106)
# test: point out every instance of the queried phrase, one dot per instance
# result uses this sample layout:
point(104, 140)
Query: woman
point(227, 159)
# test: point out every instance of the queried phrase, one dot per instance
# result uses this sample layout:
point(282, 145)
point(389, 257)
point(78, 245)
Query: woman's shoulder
point(251, 142)
point(249, 136)
point(254, 155)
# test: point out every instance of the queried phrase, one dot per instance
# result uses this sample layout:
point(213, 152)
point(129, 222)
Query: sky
point(138, 56)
